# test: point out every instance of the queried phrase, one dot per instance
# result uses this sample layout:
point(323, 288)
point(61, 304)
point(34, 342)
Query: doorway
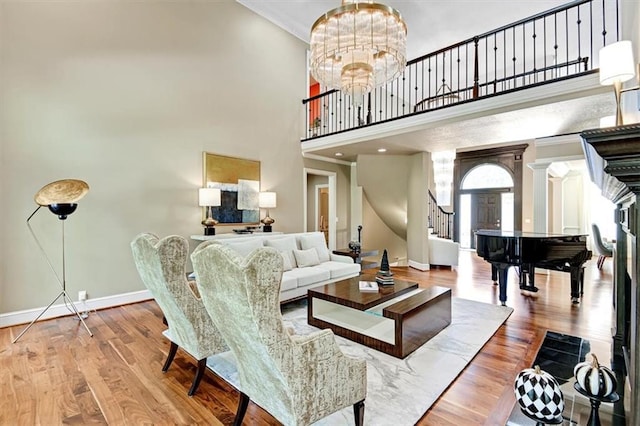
point(486, 202)
point(322, 210)
point(320, 206)
point(485, 210)
point(474, 173)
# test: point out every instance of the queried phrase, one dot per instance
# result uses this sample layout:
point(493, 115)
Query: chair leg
point(202, 365)
point(243, 403)
point(172, 353)
point(358, 413)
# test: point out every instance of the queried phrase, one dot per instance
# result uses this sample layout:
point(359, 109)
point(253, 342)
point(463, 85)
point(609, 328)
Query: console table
point(201, 237)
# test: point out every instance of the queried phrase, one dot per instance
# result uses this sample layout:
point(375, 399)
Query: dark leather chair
point(602, 248)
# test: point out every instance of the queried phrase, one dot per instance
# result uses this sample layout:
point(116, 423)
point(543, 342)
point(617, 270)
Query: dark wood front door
point(486, 210)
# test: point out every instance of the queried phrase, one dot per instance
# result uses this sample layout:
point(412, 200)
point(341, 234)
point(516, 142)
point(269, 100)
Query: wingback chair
point(603, 249)
point(161, 265)
point(296, 378)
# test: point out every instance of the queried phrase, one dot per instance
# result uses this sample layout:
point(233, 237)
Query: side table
point(356, 255)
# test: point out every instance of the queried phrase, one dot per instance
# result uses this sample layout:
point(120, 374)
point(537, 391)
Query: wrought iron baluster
point(476, 77)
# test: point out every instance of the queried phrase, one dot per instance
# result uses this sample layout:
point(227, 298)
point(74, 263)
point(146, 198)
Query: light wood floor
point(57, 374)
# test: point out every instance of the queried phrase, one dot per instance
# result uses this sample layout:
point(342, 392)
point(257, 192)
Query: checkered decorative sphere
point(539, 394)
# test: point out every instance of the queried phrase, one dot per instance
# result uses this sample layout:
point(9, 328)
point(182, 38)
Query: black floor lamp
point(61, 197)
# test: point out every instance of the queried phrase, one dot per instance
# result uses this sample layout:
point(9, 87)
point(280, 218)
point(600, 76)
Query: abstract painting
point(239, 182)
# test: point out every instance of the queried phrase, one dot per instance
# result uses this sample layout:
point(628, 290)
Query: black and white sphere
point(538, 394)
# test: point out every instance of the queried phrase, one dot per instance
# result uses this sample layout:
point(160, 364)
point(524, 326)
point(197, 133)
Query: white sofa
point(307, 260)
point(442, 251)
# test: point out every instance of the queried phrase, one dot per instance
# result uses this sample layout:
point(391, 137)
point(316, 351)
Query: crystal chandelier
point(358, 46)
point(443, 175)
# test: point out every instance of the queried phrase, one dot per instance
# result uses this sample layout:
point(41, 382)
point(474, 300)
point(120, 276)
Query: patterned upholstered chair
point(296, 378)
point(161, 265)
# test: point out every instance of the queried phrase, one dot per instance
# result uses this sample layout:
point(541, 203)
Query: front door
point(486, 210)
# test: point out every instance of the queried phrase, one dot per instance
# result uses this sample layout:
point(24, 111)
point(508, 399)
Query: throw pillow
point(317, 242)
point(285, 244)
point(286, 262)
point(243, 248)
point(306, 257)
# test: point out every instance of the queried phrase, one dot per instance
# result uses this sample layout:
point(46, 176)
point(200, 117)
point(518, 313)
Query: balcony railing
point(551, 46)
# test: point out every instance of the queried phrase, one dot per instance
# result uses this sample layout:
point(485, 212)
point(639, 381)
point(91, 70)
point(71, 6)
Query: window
point(487, 176)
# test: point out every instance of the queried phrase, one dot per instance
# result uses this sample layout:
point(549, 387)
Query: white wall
point(630, 17)
point(529, 156)
point(376, 235)
point(127, 96)
point(418, 210)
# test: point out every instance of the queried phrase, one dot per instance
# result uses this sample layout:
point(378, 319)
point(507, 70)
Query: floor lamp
point(61, 197)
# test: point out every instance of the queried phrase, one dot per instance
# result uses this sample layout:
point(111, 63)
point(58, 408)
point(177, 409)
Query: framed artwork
point(239, 182)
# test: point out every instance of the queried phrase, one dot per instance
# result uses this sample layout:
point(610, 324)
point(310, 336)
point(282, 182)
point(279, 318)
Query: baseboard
point(22, 317)
point(419, 266)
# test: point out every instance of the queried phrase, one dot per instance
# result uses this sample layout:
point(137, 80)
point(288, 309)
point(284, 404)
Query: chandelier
point(358, 46)
point(443, 175)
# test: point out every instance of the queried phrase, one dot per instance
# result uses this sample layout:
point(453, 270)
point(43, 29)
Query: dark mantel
point(613, 160)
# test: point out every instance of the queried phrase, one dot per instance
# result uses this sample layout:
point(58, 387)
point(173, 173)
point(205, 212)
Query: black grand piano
point(529, 250)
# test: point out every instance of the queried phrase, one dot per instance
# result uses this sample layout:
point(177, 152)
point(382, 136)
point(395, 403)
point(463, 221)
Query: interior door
point(486, 210)
point(323, 210)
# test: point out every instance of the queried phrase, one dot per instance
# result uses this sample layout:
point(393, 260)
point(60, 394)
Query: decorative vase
point(539, 395)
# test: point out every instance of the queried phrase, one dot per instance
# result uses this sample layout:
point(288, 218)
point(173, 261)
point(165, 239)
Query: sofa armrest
point(443, 252)
point(340, 258)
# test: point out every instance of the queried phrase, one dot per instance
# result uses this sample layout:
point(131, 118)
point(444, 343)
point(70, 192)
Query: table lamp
point(267, 200)
point(209, 198)
point(616, 67)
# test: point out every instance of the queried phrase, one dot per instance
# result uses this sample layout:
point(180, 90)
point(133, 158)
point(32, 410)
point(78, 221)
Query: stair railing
point(439, 220)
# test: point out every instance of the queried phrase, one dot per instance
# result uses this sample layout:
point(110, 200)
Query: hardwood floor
point(57, 374)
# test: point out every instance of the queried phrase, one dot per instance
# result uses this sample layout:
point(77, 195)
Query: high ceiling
point(432, 25)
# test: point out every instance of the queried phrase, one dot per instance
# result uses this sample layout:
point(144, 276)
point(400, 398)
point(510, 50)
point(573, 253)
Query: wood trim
point(509, 157)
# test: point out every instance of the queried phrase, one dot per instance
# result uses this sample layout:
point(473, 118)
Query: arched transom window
point(487, 176)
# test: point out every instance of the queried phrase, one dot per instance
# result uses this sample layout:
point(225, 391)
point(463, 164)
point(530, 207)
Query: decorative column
point(356, 203)
point(555, 223)
point(540, 195)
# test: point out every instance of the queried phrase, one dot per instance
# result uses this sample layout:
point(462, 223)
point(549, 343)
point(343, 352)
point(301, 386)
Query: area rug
point(400, 391)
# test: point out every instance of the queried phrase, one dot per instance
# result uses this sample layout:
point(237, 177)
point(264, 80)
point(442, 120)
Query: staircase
point(440, 221)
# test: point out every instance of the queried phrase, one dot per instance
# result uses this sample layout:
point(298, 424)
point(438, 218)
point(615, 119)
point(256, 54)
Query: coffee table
point(396, 320)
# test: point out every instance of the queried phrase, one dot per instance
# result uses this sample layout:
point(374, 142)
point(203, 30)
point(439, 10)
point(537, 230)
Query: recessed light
point(382, 149)
point(339, 154)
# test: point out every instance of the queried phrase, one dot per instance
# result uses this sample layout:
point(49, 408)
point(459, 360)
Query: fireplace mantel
point(613, 160)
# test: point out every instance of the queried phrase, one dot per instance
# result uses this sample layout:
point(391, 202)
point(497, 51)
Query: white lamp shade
point(267, 200)
point(616, 63)
point(209, 197)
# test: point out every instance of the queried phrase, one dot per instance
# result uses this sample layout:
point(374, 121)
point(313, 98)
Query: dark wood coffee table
point(396, 320)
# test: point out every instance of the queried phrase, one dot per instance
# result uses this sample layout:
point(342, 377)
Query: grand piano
point(529, 250)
